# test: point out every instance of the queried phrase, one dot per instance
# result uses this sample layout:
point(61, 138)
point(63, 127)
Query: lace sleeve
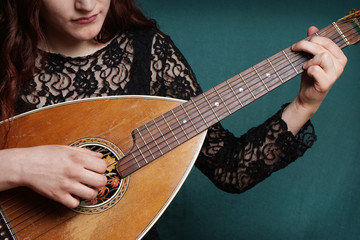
point(232, 164)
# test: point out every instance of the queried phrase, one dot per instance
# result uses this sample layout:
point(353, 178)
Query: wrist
point(296, 115)
point(305, 109)
point(11, 176)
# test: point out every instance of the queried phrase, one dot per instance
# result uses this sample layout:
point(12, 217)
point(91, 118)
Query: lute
point(132, 132)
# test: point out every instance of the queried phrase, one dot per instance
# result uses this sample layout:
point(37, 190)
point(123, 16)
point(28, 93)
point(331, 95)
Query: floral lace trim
point(237, 164)
point(58, 78)
point(158, 68)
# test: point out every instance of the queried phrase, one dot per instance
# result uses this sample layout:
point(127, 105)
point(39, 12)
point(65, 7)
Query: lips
point(83, 20)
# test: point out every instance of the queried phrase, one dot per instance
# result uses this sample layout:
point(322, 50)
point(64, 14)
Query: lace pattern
point(59, 78)
point(147, 62)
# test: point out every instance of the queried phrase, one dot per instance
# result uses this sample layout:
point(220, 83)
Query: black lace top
point(146, 62)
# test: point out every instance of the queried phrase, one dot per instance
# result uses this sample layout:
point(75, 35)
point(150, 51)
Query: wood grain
point(150, 190)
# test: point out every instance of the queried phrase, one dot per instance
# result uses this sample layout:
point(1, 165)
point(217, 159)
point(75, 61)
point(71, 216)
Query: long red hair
point(21, 31)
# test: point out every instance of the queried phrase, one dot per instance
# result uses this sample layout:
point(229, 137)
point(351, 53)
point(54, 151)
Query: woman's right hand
point(61, 173)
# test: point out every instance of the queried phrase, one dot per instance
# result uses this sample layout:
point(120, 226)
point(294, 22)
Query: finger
point(312, 30)
point(92, 179)
point(90, 160)
point(86, 151)
point(83, 191)
point(316, 72)
point(324, 60)
point(95, 164)
point(307, 46)
point(329, 45)
point(69, 201)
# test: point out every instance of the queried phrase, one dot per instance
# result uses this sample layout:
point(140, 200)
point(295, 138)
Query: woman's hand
point(320, 74)
point(61, 173)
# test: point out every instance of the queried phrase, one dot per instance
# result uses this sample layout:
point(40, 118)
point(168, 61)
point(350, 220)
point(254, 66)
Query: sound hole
point(115, 187)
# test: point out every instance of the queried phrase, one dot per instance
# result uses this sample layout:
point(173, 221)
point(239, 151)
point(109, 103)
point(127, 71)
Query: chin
point(83, 32)
point(86, 35)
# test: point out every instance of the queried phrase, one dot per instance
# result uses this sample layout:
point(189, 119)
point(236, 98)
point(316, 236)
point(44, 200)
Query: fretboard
point(173, 128)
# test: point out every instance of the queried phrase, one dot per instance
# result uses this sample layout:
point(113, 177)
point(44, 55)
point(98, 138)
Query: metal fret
point(189, 118)
point(180, 124)
point(147, 129)
point(142, 138)
point(197, 109)
point(162, 135)
point(132, 154)
point(247, 85)
point(340, 33)
point(171, 130)
point(227, 82)
point(276, 72)
point(222, 100)
point(142, 155)
point(261, 79)
point(289, 61)
point(211, 107)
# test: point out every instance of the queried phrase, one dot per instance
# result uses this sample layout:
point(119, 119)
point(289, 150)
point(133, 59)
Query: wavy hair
point(21, 31)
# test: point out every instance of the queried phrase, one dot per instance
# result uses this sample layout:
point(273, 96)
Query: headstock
point(350, 26)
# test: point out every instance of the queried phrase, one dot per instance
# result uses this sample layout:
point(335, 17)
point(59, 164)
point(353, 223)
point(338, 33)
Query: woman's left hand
point(321, 71)
point(320, 74)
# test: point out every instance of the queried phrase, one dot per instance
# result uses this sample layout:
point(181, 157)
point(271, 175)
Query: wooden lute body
point(149, 190)
point(133, 132)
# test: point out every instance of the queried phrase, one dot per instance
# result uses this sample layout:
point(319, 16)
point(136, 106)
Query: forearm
point(237, 164)
point(295, 116)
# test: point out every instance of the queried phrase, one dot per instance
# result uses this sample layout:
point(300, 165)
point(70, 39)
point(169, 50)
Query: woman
point(56, 51)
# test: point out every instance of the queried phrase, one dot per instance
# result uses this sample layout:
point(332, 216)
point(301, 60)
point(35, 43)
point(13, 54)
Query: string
point(149, 139)
point(334, 32)
point(293, 57)
point(276, 66)
point(282, 60)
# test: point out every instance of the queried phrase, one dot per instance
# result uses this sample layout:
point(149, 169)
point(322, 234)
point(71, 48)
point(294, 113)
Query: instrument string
point(254, 75)
point(47, 212)
point(11, 219)
point(296, 56)
point(279, 63)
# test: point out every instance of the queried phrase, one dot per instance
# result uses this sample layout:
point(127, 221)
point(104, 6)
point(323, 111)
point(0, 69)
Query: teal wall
point(318, 196)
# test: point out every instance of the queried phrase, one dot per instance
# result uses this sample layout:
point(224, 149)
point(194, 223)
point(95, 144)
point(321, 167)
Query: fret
point(137, 162)
point(316, 34)
point(170, 129)
point(152, 137)
point(211, 107)
point(290, 61)
point(276, 72)
point(234, 93)
point(180, 124)
point(197, 109)
point(189, 118)
point(222, 100)
point(162, 135)
point(147, 146)
point(261, 79)
point(246, 86)
point(142, 155)
point(341, 33)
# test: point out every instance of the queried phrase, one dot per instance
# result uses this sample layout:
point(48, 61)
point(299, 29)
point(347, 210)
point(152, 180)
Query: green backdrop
point(318, 196)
